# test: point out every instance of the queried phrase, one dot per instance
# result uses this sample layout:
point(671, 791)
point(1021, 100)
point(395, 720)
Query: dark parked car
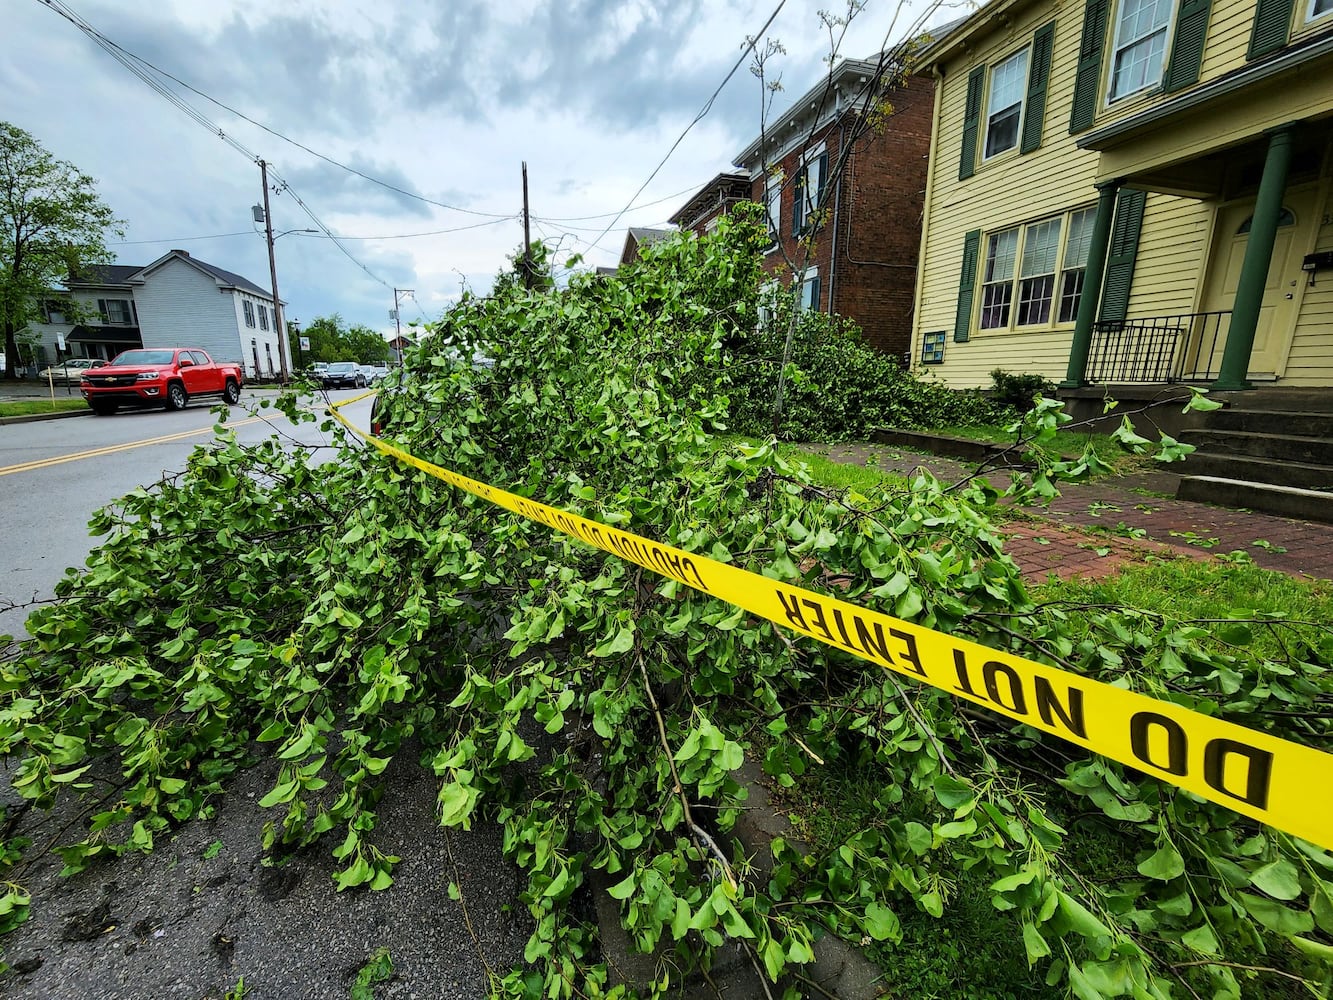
point(343, 375)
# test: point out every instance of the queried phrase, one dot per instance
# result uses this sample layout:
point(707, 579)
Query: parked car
point(374, 373)
point(343, 375)
point(69, 372)
point(159, 376)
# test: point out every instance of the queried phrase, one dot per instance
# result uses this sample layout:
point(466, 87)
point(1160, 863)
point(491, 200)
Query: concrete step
point(1290, 445)
point(1285, 501)
point(1299, 475)
point(1272, 422)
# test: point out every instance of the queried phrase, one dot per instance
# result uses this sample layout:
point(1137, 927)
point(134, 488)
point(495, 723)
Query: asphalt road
point(55, 473)
point(205, 910)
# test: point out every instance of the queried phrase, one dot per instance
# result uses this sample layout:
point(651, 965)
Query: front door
point(1282, 290)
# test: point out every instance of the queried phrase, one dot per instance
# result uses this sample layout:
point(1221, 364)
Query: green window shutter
point(1272, 21)
point(814, 295)
point(1088, 79)
point(1122, 253)
point(1039, 74)
point(967, 160)
point(1187, 49)
point(967, 286)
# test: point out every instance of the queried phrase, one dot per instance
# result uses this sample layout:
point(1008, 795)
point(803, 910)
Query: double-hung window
point(1033, 273)
point(1319, 8)
point(263, 317)
point(1004, 106)
point(997, 288)
point(1075, 268)
point(809, 190)
point(115, 312)
point(249, 308)
point(1036, 276)
point(809, 291)
point(1141, 32)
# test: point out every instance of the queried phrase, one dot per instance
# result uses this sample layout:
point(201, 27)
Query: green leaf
point(1034, 943)
point(621, 642)
point(1165, 864)
point(1201, 939)
point(284, 792)
point(1277, 918)
point(1317, 950)
point(1279, 879)
point(952, 793)
point(624, 888)
point(881, 923)
point(1080, 919)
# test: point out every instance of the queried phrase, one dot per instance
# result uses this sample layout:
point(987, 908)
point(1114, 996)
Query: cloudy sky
point(440, 100)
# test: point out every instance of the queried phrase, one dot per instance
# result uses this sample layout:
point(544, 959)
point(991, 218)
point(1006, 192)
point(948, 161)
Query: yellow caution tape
point(1275, 781)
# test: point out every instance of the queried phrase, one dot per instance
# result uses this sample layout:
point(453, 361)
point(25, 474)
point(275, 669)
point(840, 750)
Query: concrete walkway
point(1093, 529)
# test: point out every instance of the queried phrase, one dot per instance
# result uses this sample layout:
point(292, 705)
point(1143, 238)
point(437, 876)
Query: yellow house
point(1131, 191)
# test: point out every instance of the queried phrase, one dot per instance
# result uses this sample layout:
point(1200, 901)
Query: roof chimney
point(183, 253)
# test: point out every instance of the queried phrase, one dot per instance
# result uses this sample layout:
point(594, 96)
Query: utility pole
point(397, 321)
point(527, 240)
point(273, 275)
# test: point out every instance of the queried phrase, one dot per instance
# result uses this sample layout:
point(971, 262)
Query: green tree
point(52, 222)
point(332, 340)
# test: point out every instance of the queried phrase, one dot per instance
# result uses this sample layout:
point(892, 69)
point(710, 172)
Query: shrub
point(837, 387)
point(1018, 392)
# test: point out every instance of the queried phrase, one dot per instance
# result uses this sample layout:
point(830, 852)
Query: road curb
point(29, 418)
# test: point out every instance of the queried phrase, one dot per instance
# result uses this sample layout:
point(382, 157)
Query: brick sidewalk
point(1056, 539)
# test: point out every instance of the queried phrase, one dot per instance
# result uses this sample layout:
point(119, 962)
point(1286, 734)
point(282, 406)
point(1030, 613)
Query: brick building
point(867, 217)
point(711, 202)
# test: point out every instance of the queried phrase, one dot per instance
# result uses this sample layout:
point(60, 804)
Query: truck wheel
point(103, 407)
point(175, 397)
point(232, 394)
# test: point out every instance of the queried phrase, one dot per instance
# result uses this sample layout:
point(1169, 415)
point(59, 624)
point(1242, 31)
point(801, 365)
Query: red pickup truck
point(159, 376)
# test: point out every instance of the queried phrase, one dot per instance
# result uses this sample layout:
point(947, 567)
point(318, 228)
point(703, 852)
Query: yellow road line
point(43, 463)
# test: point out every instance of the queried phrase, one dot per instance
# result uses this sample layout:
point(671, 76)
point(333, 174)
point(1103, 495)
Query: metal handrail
point(1181, 347)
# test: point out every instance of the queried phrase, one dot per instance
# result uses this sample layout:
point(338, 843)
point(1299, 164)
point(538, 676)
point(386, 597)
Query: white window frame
point(263, 316)
point(810, 193)
point(1118, 43)
point(809, 283)
point(1313, 15)
point(1024, 54)
point(248, 308)
point(1064, 270)
point(773, 201)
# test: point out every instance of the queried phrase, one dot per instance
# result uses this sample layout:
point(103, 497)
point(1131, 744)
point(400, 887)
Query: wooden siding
point(1310, 362)
point(1172, 248)
point(180, 306)
point(1006, 190)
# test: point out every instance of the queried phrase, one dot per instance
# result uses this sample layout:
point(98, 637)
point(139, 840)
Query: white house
point(176, 300)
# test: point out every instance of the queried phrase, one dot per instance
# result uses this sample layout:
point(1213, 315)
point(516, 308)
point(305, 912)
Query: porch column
point(1254, 268)
point(1092, 284)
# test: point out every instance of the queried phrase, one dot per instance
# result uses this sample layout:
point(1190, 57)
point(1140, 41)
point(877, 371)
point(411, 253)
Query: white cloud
point(442, 100)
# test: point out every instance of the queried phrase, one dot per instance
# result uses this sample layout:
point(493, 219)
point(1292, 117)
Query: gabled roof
point(227, 279)
point(103, 274)
point(638, 237)
point(948, 37)
point(645, 236)
point(721, 190)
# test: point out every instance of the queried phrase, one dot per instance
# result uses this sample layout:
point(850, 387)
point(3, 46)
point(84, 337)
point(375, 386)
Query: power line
point(119, 52)
point(129, 62)
point(749, 46)
point(318, 236)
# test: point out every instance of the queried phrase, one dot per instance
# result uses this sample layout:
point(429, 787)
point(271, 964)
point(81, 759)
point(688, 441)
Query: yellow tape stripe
point(1275, 781)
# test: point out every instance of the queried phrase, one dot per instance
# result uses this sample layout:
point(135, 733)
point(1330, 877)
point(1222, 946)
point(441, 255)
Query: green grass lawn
point(1069, 443)
point(29, 407)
